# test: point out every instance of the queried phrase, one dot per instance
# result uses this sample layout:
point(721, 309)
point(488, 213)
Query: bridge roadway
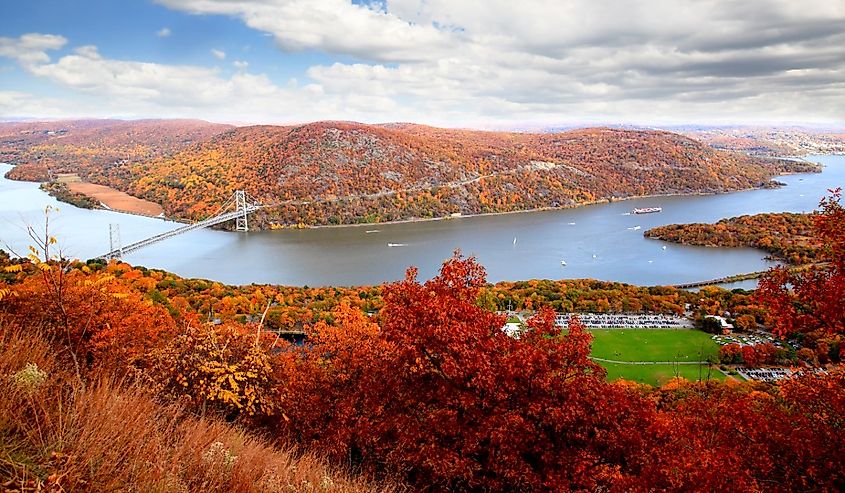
point(721, 280)
point(222, 218)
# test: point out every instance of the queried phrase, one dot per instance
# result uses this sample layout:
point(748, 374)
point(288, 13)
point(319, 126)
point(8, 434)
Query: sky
point(481, 63)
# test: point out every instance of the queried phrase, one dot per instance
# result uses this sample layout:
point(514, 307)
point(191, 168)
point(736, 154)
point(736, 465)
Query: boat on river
point(647, 210)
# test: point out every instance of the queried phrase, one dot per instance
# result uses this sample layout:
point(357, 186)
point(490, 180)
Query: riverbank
point(522, 211)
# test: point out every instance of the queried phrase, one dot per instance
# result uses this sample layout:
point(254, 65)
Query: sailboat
point(514, 240)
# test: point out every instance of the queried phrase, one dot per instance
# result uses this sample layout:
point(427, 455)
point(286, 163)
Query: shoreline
point(521, 211)
point(545, 209)
point(442, 218)
point(524, 211)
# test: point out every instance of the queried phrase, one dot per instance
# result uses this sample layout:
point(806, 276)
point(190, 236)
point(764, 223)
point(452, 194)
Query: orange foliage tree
point(216, 368)
point(92, 318)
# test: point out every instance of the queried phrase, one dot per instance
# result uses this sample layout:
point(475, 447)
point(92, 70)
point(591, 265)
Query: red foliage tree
point(749, 356)
point(730, 353)
point(812, 301)
point(443, 397)
point(718, 437)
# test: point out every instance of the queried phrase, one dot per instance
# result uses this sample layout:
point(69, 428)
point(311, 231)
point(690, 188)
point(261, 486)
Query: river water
point(601, 241)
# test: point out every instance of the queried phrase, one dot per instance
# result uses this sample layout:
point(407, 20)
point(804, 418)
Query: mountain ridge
point(350, 173)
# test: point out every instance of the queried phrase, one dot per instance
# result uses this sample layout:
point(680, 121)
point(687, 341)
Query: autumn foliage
point(221, 368)
point(414, 382)
point(87, 147)
point(343, 172)
point(440, 391)
point(785, 235)
point(810, 304)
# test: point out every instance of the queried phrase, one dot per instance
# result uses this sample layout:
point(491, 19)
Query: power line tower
point(241, 206)
point(114, 241)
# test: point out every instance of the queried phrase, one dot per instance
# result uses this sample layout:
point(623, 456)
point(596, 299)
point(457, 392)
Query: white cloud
point(218, 54)
point(15, 103)
point(30, 48)
point(142, 89)
point(465, 62)
point(338, 26)
point(163, 32)
point(549, 60)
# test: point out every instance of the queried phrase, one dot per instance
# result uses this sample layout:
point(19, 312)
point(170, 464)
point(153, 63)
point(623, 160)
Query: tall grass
point(56, 435)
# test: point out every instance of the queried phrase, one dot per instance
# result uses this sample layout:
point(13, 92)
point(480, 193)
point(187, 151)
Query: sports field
point(657, 375)
point(654, 345)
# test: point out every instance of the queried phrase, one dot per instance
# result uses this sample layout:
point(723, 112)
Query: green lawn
point(659, 374)
point(653, 345)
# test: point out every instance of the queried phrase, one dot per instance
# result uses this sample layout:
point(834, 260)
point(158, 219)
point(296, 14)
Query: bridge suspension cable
point(242, 204)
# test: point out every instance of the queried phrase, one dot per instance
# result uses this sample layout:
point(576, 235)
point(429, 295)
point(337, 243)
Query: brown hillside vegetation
point(786, 235)
point(344, 173)
point(42, 149)
point(58, 435)
point(353, 173)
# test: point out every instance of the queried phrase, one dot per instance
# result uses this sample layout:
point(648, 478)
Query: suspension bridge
point(238, 207)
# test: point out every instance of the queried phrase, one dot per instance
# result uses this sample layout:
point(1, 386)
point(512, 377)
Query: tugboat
point(647, 210)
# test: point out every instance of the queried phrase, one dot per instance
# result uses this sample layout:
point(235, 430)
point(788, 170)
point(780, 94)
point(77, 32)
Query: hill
point(354, 173)
point(785, 235)
point(771, 141)
point(110, 383)
point(346, 173)
point(42, 149)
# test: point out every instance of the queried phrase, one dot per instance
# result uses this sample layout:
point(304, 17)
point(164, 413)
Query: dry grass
point(115, 199)
point(57, 436)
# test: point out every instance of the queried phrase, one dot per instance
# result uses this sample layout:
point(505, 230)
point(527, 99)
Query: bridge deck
point(222, 218)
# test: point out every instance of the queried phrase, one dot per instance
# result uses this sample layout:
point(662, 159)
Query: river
point(602, 241)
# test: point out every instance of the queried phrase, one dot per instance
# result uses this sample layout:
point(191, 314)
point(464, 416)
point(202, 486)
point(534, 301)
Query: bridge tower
point(241, 222)
point(114, 241)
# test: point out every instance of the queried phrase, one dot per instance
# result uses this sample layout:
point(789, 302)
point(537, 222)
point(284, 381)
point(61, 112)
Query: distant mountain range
point(354, 173)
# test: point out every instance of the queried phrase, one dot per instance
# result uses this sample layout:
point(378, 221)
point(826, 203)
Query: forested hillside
point(353, 173)
point(785, 235)
point(346, 173)
point(43, 149)
point(771, 141)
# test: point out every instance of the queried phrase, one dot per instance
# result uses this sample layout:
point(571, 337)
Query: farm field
point(117, 200)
